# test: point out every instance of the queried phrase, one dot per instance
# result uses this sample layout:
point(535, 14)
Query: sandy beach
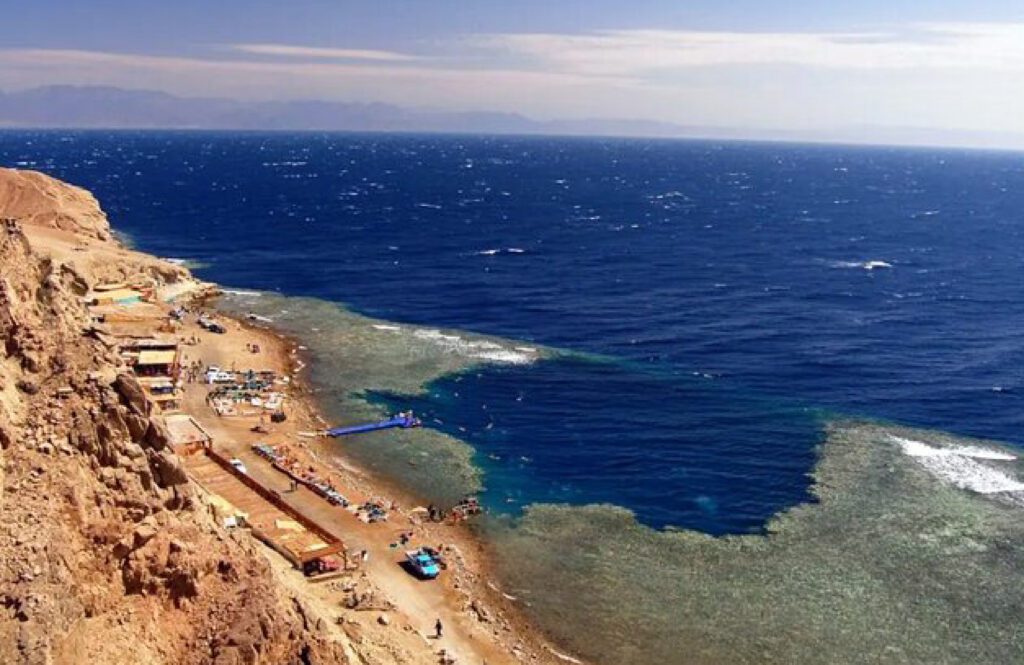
point(480, 622)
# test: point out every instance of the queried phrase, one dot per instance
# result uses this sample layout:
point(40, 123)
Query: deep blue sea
point(726, 298)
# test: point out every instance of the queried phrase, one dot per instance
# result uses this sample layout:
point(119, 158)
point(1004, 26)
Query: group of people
point(192, 371)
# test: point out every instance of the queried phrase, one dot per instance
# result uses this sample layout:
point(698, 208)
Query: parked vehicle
point(374, 512)
point(321, 566)
point(423, 564)
point(214, 375)
point(211, 325)
point(239, 464)
point(436, 555)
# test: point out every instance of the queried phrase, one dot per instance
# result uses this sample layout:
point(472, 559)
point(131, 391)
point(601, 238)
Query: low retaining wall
point(334, 545)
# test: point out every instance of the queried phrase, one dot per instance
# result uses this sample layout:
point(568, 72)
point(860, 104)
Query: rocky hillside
point(106, 554)
point(35, 198)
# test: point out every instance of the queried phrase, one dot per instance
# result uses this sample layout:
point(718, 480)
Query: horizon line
point(795, 142)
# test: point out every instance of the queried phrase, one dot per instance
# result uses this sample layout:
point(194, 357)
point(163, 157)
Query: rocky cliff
point(106, 555)
point(35, 198)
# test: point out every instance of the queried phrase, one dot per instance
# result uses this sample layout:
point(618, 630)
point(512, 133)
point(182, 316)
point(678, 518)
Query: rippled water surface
point(711, 306)
point(736, 283)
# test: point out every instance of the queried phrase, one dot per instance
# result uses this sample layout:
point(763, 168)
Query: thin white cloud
point(408, 84)
point(941, 75)
point(72, 60)
point(314, 52)
point(647, 52)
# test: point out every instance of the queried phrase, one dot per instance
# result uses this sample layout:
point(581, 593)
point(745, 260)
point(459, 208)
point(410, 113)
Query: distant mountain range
point(101, 107)
point(107, 107)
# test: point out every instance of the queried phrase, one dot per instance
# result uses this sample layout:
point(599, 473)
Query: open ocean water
point(720, 302)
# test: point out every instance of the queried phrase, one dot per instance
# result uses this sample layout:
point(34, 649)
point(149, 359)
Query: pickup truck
point(423, 564)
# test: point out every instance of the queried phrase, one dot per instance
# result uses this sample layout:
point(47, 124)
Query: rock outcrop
point(106, 555)
point(35, 198)
point(68, 225)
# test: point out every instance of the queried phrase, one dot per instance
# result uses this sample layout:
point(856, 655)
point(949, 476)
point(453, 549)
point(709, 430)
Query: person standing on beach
point(438, 628)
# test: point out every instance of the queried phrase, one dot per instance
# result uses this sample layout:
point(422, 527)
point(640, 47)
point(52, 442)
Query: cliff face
point(66, 224)
point(35, 198)
point(106, 555)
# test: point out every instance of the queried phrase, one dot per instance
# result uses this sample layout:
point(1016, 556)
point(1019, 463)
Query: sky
point(897, 67)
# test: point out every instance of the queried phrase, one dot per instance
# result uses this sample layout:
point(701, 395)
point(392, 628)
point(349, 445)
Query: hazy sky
point(801, 64)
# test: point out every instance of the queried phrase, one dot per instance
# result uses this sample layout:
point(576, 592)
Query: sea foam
point(484, 350)
point(960, 467)
point(864, 265)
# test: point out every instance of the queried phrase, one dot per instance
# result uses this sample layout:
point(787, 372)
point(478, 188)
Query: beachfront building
point(156, 361)
point(120, 296)
point(187, 435)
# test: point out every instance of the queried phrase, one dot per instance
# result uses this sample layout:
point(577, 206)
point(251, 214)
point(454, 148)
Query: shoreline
point(476, 592)
point(911, 531)
point(375, 612)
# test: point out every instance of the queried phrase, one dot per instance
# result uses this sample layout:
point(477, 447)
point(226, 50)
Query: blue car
point(423, 564)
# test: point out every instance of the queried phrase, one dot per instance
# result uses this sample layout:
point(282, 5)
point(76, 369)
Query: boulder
point(167, 468)
point(127, 386)
point(157, 436)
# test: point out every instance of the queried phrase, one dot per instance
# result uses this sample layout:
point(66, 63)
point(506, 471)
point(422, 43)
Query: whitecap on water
point(866, 265)
point(959, 466)
point(483, 349)
point(495, 252)
point(483, 345)
point(505, 356)
point(871, 265)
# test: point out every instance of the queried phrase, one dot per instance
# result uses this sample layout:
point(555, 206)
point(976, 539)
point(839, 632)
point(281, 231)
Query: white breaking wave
point(433, 334)
point(865, 265)
point(495, 252)
point(381, 326)
point(871, 265)
point(504, 356)
point(246, 294)
point(960, 467)
point(480, 350)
